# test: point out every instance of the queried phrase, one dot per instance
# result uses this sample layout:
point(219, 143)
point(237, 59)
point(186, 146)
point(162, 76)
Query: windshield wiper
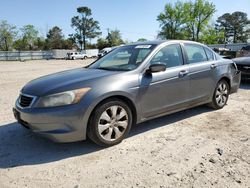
point(111, 69)
point(105, 68)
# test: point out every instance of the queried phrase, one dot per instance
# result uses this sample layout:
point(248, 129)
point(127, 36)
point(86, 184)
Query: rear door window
point(195, 53)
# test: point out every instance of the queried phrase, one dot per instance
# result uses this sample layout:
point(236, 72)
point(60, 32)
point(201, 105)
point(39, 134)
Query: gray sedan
point(131, 84)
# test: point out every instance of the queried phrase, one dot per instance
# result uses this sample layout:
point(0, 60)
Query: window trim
point(209, 49)
point(186, 54)
point(152, 56)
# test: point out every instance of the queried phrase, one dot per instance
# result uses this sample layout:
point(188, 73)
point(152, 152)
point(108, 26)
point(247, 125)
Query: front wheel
point(110, 123)
point(221, 95)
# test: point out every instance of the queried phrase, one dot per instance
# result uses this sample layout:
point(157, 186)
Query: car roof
point(159, 42)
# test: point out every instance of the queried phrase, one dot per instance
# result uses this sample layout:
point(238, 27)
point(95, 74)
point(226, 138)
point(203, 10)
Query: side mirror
point(160, 67)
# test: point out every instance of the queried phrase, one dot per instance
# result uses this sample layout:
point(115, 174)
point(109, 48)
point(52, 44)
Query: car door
point(202, 68)
point(165, 91)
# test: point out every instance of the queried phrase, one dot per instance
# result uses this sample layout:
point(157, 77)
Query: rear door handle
point(213, 66)
point(183, 73)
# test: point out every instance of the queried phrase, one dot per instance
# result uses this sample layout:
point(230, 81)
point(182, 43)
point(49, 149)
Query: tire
point(110, 123)
point(221, 95)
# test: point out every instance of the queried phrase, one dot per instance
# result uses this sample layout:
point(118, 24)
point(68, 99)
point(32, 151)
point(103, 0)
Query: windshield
point(124, 58)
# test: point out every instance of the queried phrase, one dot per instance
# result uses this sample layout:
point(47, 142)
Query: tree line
point(86, 29)
point(191, 20)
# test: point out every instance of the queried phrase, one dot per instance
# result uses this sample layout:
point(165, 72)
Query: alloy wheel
point(221, 94)
point(112, 123)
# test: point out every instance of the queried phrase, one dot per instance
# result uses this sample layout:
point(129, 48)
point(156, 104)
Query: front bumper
point(60, 124)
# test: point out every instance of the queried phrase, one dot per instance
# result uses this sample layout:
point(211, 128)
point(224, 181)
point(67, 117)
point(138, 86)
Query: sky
point(134, 18)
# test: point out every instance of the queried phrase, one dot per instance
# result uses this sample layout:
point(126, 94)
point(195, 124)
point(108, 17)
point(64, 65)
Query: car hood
point(242, 60)
point(63, 81)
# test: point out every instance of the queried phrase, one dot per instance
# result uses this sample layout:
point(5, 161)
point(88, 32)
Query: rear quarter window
point(210, 54)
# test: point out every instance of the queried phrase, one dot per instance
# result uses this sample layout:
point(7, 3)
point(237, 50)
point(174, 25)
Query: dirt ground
point(199, 147)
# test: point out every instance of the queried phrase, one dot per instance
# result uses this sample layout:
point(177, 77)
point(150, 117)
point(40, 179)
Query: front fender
point(90, 106)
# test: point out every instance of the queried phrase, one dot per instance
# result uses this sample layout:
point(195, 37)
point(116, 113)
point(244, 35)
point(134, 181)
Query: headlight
point(62, 99)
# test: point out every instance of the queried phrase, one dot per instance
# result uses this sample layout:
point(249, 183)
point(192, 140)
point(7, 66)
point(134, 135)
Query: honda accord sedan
point(132, 84)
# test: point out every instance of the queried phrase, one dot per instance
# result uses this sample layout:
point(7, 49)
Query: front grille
point(25, 101)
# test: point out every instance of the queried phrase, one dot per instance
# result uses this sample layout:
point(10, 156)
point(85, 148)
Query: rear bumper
point(235, 82)
point(61, 124)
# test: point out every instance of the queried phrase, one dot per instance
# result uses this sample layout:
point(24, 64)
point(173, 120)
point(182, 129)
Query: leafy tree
point(127, 41)
point(172, 21)
point(55, 38)
point(234, 26)
point(114, 38)
point(212, 36)
point(142, 40)
point(224, 26)
point(28, 39)
point(102, 43)
point(41, 43)
point(247, 34)
point(69, 44)
point(7, 35)
point(198, 15)
point(185, 20)
point(20, 44)
point(91, 46)
point(86, 27)
point(30, 35)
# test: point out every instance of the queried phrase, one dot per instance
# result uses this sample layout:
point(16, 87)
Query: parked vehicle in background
point(104, 51)
point(91, 53)
point(226, 53)
point(246, 48)
point(76, 55)
point(129, 85)
point(245, 51)
point(60, 53)
point(243, 64)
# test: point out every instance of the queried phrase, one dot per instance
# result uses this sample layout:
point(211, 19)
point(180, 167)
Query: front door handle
point(183, 73)
point(213, 66)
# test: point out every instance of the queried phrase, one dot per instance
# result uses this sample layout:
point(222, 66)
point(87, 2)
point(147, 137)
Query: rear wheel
point(221, 95)
point(110, 123)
